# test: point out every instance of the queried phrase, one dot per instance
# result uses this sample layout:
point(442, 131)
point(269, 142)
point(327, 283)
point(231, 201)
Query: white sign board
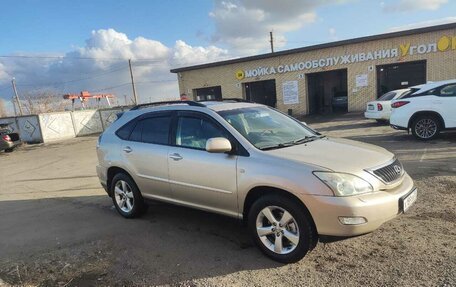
point(290, 92)
point(361, 80)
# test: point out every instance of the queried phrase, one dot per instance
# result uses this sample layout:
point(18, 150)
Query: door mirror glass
point(218, 145)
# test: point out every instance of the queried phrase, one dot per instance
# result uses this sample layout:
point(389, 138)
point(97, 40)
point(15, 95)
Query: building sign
point(361, 80)
point(290, 92)
point(444, 43)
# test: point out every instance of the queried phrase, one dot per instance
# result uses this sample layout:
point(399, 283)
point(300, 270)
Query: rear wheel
point(126, 196)
point(426, 127)
point(281, 228)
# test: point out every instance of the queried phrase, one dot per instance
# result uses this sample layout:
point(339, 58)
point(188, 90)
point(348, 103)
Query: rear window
point(387, 97)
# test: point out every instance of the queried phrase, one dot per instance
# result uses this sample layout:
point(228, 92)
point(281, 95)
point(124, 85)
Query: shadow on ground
point(91, 242)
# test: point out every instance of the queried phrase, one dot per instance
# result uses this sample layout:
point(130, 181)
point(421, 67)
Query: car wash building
point(330, 77)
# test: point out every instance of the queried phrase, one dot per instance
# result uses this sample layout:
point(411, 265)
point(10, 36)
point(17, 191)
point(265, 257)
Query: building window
point(208, 94)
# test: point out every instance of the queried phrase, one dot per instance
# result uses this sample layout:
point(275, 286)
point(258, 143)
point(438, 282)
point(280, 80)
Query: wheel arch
point(427, 112)
point(260, 191)
point(112, 171)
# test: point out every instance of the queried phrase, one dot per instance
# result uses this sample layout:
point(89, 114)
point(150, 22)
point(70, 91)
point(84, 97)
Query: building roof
point(320, 46)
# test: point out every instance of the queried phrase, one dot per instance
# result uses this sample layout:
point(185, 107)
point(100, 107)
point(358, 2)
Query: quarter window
point(193, 132)
point(125, 131)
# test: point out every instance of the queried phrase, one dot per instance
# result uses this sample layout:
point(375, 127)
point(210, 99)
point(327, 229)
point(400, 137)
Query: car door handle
point(127, 149)
point(175, 156)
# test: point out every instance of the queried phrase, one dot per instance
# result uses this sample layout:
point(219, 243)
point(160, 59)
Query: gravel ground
point(58, 227)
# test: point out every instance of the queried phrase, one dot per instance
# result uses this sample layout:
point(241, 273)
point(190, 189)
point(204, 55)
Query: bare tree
point(2, 109)
point(43, 102)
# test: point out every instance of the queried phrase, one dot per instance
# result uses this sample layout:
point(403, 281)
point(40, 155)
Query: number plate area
point(407, 201)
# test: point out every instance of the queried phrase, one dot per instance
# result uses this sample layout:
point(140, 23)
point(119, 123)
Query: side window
point(156, 130)
point(152, 130)
point(125, 131)
point(193, 132)
point(448, 91)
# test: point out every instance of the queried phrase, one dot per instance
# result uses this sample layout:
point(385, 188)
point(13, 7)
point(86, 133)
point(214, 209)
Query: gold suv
point(289, 183)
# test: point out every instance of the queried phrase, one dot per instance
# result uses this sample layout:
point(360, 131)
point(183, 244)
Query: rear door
point(446, 103)
point(146, 154)
point(199, 178)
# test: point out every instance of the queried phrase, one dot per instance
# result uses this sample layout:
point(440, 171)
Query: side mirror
point(304, 123)
point(218, 145)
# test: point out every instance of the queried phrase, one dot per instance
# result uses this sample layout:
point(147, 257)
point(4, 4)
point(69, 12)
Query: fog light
point(345, 220)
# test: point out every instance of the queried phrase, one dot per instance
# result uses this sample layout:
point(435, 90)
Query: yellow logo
point(240, 74)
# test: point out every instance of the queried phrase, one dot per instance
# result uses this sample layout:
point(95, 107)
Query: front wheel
point(126, 196)
point(426, 127)
point(281, 228)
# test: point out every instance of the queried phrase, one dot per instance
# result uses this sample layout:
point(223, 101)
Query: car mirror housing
point(218, 145)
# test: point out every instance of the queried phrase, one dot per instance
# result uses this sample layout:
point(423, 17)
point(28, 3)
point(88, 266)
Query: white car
point(380, 110)
point(426, 110)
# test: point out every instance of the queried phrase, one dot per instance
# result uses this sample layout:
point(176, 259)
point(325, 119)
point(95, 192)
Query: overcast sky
point(159, 35)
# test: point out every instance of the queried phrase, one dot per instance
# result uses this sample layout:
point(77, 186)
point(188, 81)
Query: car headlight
point(344, 184)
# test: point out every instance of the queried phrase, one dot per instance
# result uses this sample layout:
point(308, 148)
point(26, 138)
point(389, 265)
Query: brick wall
point(441, 65)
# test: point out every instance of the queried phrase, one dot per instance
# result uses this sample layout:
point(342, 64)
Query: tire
point(126, 196)
point(426, 127)
point(9, 149)
point(297, 237)
point(382, 122)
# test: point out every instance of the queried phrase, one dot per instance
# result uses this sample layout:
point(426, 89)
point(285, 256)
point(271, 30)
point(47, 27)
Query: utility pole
point(133, 82)
point(271, 41)
point(14, 106)
point(17, 97)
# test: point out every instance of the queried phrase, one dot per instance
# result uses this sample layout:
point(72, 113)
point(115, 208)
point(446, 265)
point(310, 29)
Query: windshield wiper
point(295, 142)
point(306, 139)
point(281, 145)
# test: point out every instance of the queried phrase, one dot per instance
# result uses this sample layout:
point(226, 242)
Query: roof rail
point(190, 103)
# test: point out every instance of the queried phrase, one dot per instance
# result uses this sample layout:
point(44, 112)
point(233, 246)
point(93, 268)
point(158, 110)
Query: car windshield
point(267, 129)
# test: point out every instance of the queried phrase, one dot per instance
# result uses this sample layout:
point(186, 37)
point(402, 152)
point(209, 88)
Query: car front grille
point(391, 172)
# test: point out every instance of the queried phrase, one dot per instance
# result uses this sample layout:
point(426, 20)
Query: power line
point(129, 83)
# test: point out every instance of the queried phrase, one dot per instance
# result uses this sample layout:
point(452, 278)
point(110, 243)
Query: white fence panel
point(56, 126)
point(87, 122)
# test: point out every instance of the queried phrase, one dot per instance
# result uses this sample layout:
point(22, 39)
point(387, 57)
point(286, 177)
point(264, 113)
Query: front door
point(199, 178)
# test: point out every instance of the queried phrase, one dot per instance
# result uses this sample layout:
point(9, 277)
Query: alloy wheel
point(426, 128)
point(124, 196)
point(277, 229)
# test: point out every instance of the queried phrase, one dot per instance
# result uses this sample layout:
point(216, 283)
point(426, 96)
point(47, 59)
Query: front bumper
point(377, 208)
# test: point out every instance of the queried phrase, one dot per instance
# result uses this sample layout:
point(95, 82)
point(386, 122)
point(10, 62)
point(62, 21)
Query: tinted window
point(125, 131)
point(156, 130)
point(136, 133)
point(448, 91)
point(193, 132)
point(152, 130)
